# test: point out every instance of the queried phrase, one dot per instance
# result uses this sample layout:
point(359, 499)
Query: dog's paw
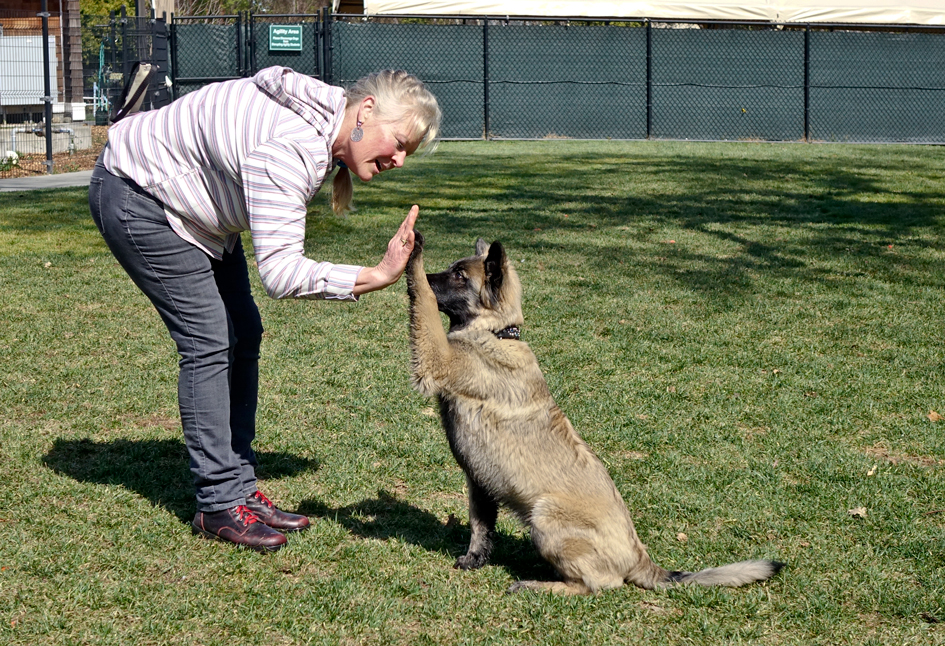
point(470, 561)
point(417, 244)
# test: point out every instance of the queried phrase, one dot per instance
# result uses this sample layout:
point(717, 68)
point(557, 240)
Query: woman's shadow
point(158, 471)
point(155, 469)
point(386, 517)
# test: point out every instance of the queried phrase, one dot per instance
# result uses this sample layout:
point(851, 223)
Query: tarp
point(911, 12)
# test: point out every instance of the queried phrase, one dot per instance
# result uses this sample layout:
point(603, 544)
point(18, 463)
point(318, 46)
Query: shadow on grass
point(839, 207)
point(155, 469)
point(386, 517)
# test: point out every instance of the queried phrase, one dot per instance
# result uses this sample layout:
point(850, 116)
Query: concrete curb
point(60, 180)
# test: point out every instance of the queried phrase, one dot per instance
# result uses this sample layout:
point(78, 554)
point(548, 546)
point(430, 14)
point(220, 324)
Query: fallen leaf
point(681, 537)
point(872, 472)
point(935, 417)
point(857, 512)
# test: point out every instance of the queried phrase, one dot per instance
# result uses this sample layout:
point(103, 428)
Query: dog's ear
point(495, 270)
point(481, 247)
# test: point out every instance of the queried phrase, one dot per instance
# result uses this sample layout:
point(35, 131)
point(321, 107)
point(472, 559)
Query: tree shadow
point(850, 209)
point(155, 469)
point(386, 517)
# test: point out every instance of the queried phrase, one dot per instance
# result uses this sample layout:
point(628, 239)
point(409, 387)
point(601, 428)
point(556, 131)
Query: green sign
point(285, 38)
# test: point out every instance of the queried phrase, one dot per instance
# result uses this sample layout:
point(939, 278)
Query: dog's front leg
point(483, 511)
point(430, 351)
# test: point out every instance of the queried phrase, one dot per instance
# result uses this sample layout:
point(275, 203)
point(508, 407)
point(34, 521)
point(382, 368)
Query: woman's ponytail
point(342, 191)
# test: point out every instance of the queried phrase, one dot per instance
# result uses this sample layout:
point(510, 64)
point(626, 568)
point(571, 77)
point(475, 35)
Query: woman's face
point(383, 146)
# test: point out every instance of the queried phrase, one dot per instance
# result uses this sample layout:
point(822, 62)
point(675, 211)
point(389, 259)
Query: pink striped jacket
point(244, 155)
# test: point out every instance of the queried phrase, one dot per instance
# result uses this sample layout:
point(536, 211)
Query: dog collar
point(511, 332)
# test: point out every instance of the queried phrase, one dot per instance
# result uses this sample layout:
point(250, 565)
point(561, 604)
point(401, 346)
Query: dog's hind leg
point(483, 511)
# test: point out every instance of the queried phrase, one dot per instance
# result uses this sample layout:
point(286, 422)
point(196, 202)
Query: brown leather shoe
point(273, 516)
point(238, 525)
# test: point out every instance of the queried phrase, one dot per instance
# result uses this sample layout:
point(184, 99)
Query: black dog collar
point(511, 332)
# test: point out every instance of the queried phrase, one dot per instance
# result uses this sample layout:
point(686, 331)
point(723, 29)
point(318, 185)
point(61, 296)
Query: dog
point(516, 447)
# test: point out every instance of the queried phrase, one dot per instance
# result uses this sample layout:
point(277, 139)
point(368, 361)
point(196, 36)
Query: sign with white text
point(285, 38)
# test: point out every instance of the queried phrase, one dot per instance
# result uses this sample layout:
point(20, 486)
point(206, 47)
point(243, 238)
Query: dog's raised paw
point(417, 244)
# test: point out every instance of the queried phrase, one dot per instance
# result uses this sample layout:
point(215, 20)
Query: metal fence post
point(323, 43)
point(172, 45)
point(47, 89)
point(316, 45)
point(329, 49)
point(649, 79)
point(113, 45)
point(240, 54)
point(807, 84)
point(125, 46)
point(251, 45)
point(485, 78)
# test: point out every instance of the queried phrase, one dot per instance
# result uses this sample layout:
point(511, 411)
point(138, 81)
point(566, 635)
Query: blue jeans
point(208, 309)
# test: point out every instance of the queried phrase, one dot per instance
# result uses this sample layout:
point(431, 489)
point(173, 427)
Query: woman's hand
point(392, 265)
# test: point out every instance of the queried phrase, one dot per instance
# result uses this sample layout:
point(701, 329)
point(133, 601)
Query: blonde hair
point(400, 97)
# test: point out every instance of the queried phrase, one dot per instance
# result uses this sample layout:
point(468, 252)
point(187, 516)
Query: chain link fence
point(111, 46)
point(60, 78)
point(206, 49)
point(671, 80)
point(511, 79)
point(517, 79)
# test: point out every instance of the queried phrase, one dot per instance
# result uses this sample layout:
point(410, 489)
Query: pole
point(47, 89)
point(807, 84)
point(485, 78)
point(649, 80)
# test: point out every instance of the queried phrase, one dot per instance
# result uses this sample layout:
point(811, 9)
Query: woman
point(171, 193)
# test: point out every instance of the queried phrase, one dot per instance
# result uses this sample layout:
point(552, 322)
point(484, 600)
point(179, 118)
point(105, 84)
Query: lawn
point(749, 335)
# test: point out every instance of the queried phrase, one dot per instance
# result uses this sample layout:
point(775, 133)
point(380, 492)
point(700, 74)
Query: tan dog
point(515, 445)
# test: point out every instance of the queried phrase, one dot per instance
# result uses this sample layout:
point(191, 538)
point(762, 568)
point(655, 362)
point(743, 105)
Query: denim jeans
point(208, 309)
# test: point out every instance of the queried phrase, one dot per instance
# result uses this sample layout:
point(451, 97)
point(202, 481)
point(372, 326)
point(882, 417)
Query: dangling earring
point(357, 133)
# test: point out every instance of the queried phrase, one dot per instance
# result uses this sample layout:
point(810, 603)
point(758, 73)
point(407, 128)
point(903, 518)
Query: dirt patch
point(883, 453)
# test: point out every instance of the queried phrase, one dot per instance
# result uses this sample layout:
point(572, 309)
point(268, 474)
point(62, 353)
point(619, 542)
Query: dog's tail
point(652, 576)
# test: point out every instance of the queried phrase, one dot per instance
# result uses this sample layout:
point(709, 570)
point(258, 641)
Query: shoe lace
point(245, 515)
point(261, 497)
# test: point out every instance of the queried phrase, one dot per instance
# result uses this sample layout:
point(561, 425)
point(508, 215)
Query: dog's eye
point(460, 276)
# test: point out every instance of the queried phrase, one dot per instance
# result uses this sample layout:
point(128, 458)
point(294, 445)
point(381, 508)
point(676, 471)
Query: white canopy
point(910, 12)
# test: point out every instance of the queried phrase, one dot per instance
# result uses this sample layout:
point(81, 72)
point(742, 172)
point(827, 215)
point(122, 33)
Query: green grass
point(750, 336)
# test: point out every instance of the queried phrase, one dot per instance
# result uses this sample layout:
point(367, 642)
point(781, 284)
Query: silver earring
point(357, 133)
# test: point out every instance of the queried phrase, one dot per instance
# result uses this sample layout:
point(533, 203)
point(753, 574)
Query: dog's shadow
point(155, 469)
point(386, 517)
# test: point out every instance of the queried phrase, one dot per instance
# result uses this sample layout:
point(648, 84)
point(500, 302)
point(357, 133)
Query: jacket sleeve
point(278, 180)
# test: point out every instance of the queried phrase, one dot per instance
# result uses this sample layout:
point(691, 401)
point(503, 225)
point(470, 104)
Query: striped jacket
point(244, 155)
